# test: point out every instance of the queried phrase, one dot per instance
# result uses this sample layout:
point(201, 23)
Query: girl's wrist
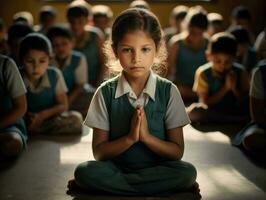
point(130, 140)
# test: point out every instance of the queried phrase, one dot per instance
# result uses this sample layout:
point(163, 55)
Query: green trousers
point(164, 179)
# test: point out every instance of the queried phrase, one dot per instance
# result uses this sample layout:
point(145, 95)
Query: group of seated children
point(137, 117)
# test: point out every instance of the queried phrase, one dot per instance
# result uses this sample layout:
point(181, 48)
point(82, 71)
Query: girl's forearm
point(53, 111)
point(214, 99)
point(110, 149)
point(11, 117)
point(164, 148)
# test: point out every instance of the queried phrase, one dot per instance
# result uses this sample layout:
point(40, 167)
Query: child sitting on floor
point(253, 136)
point(46, 96)
point(222, 85)
point(137, 118)
point(13, 106)
point(73, 65)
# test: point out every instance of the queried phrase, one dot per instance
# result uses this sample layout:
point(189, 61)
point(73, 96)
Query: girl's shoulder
point(109, 85)
point(53, 72)
point(76, 54)
point(162, 80)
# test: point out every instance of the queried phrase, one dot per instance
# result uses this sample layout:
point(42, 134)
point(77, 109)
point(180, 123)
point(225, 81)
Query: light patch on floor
point(225, 182)
point(79, 152)
point(195, 135)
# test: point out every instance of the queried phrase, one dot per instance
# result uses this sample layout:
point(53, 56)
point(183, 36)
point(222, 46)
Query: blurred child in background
point(46, 90)
point(222, 85)
point(13, 106)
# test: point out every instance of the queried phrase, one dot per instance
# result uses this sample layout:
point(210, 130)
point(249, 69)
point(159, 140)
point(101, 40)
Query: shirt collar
point(67, 63)
point(123, 86)
point(44, 83)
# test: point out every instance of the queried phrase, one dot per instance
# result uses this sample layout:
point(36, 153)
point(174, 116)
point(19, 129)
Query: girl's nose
point(136, 57)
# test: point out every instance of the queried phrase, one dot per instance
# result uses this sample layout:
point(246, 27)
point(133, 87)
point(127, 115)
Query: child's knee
point(85, 169)
point(93, 171)
point(189, 175)
point(13, 145)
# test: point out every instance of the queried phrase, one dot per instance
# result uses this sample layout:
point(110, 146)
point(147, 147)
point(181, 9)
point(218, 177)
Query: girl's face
point(222, 63)
point(35, 64)
point(136, 52)
point(62, 47)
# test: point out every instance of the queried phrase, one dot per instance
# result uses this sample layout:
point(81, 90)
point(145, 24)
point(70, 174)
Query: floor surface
point(224, 172)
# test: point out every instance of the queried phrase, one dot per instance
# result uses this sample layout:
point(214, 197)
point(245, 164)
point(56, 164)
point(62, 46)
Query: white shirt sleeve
point(81, 73)
point(97, 116)
point(60, 84)
point(256, 87)
point(15, 84)
point(176, 115)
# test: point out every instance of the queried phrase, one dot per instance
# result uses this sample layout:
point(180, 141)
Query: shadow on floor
point(228, 129)
point(180, 196)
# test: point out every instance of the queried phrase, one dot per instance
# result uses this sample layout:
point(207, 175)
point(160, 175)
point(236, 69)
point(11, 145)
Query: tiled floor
point(42, 172)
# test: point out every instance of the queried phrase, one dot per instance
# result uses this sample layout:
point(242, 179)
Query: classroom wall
point(161, 9)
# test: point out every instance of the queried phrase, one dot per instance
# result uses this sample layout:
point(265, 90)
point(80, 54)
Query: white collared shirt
point(256, 86)
point(10, 78)
point(45, 83)
point(98, 117)
point(81, 71)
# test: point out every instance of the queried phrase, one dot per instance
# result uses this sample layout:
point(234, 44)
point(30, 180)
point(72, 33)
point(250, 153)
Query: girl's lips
point(136, 68)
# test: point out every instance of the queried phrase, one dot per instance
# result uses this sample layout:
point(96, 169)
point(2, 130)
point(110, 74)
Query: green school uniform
point(89, 48)
point(187, 62)
point(138, 170)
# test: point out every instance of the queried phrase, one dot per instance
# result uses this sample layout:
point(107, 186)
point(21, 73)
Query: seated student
point(88, 39)
point(13, 106)
point(137, 119)
point(3, 39)
point(176, 18)
point(15, 34)
point(47, 18)
point(216, 23)
point(246, 54)
point(102, 16)
point(253, 136)
point(187, 52)
point(221, 84)
point(24, 17)
point(73, 65)
point(46, 90)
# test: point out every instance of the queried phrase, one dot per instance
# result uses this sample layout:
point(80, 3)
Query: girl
point(13, 106)
point(46, 88)
point(137, 119)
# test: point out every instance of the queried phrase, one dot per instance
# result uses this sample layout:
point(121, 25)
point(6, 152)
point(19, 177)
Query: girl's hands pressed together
point(144, 129)
point(135, 125)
